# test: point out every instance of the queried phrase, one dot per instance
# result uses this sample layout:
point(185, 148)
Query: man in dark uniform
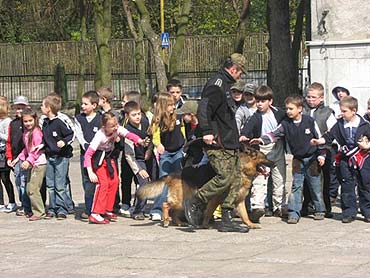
point(216, 115)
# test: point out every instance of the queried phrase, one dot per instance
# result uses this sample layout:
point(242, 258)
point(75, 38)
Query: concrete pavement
point(129, 248)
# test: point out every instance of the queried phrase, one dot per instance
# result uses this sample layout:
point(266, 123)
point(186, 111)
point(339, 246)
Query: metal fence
point(36, 87)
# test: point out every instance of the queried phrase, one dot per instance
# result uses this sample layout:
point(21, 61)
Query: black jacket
point(216, 110)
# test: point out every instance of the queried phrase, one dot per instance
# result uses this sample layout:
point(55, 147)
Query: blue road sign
point(165, 39)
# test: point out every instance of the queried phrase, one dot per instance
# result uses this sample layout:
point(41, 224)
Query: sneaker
point(110, 216)
point(268, 212)
point(2, 208)
point(11, 207)
point(20, 212)
point(125, 211)
point(49, 215)
point(329, 214)
point(97, 219)
point(61, 216)
point(256, 214)
point(278, 213)
point(155, 217)
point(318, 216)
point(292, 220)
point(348, 219)
point(139, 216)
point(35, 218)
point(84, 216)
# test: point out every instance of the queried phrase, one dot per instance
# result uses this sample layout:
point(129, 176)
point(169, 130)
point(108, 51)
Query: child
point(105, 101)
point(141, 159)
point(298, 131)
point(367, 114)
point(174, 87)
point(14, 146)
point(248, 105)
point(58, 150)
point(102, 168)
point(263, 121)
point(126, 172)
point(87, 123)
point(168, 136)
point(4, 168)
point(324, 116)
point(34, 161)
point(354, 166)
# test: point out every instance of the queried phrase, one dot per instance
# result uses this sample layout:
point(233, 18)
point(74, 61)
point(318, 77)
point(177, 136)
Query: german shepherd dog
point(182, 186)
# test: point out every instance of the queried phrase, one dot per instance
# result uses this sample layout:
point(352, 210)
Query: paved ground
point(129, 248)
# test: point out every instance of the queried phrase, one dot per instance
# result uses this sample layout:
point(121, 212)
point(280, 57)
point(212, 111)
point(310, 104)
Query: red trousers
point(106, 188)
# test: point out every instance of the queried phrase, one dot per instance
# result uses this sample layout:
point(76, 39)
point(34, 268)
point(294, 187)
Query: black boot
point(228, 225)
point(194, 210)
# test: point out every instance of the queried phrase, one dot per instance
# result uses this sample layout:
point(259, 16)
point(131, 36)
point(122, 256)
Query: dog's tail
point(151, 190)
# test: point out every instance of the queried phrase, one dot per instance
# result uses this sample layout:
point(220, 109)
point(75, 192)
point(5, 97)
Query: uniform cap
point(239, 60)
point(21, 100)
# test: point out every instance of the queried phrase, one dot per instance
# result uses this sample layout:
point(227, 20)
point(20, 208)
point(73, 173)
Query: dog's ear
point(244, 145)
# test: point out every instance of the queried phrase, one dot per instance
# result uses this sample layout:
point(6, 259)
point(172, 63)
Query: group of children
point(151, 145)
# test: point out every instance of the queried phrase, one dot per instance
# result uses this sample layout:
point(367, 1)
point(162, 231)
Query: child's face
point(263, 105)
point(249, 99)
point(237, 95)
point(111, 126)
point(170, 108)
point(102, 100)
point(176, 92)
point(44, 109)
point(18, 108)
point(293, 111)
point(124, 101)
point(28, 122)
point(134, 117)
point(187, 118)
point(347, 114)
point(314, 98)
point(341, 94)
point(87, 106)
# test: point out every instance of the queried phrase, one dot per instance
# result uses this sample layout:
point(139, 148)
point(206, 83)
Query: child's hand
point(160, 149)
point(243, 138)
point(61, 144)
point(143, 174)
point(92, 176)
point(37, 148)
point(25, 165)
point(12, 163)
point(321, 160)
point(255, 141)
point(144, 142)
point(316, 142)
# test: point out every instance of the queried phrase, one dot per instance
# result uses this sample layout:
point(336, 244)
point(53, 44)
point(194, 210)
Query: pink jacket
point(34, 158)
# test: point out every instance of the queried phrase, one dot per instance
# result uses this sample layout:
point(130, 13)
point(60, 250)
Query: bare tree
point(243, 12)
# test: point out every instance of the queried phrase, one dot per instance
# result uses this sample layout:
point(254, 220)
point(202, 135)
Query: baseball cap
point(190, 106)
point(239, 60)
point(238, 85)
point(249, 88)
point(21, 100)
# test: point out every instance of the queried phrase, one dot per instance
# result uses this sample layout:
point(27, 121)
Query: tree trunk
point(242, 28)
point(103, 30)
point(155, 44)
point(82, 57)
point(297, 38)
point(139, 47)
point(281, 76)
point(180, 37)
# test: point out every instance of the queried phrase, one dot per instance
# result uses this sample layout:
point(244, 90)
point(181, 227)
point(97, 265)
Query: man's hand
point(255, 141)
point(61, 144)
point(209, 139)
point(25, 165)
point(243, 138)
point(143, 174)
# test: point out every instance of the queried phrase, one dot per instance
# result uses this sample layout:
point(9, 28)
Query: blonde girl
point(33, 160)
point(4, 168)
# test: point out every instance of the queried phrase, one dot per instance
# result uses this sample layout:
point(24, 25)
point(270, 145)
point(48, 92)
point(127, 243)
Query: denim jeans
point(57, 183)
point(20, 178)
point(169, 163)
point(308, 169)
point(89, 187)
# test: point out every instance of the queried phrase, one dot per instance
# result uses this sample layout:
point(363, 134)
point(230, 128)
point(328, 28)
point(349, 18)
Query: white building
point(340, 47)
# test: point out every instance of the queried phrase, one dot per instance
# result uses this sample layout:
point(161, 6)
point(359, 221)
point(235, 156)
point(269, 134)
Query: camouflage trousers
point(226, 164)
